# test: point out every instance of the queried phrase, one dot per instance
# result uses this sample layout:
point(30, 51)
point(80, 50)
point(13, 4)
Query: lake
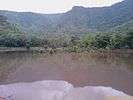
point(81, 69)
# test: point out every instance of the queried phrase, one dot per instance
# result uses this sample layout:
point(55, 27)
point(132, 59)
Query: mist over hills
point(79, 20)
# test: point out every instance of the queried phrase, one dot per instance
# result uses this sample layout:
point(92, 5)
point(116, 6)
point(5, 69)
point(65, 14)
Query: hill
point(79, 20)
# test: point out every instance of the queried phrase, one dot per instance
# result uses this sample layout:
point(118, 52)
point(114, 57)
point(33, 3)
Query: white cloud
point(50, 6)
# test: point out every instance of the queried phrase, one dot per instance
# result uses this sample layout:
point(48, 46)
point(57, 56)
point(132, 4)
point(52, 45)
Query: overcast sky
point(51, 6)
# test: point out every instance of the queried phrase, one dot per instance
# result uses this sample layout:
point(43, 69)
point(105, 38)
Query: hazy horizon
point(51, 7)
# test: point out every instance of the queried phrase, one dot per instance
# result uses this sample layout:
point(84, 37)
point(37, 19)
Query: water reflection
point(80, 69)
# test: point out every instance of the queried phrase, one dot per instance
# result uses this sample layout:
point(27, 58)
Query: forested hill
point(78, 20)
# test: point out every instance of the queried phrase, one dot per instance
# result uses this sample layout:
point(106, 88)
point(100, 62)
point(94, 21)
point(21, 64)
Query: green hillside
point(79, 20)
point(106, 27)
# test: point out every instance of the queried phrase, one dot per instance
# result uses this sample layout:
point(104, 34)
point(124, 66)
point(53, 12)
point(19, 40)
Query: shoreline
point(44, 50)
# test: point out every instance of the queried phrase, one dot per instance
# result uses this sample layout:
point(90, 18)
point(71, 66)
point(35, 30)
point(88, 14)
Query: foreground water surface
point(58, 90)
point(81, 69)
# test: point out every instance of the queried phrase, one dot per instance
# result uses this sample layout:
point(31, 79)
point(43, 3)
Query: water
point(58, 90)
point(81, 69)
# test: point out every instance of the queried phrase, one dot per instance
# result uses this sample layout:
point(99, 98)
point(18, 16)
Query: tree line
point(105, 41)
point(10, 36)
point(89, 41)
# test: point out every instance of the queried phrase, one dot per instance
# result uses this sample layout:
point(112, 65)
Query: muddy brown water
point(81, 69)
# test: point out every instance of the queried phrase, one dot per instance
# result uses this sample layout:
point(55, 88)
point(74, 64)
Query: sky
point(51, 6)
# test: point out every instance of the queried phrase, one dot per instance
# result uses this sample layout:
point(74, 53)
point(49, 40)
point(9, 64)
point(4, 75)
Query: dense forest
point(78, 29)
point(10, 36)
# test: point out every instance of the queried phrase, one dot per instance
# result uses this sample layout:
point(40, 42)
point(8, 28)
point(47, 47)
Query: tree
point(10, 36)
point(101, 41)
point(117, 41)
point(129, 40)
